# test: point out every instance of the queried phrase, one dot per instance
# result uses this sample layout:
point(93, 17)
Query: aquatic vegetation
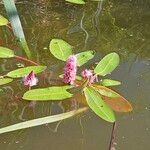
point(79, 1)
point(16, 26)
point(76, 1)
point(42, 121)
point(89, 83)
point(98, 96)
point(3, 21)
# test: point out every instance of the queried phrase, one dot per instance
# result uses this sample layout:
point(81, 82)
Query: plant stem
point(112, 136)
point(9, 27)
point(27, 60)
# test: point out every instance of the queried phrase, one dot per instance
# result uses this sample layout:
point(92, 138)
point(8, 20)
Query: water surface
point(105, 27)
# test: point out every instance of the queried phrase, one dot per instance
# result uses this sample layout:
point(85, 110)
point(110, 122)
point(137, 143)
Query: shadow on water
point(101, 26)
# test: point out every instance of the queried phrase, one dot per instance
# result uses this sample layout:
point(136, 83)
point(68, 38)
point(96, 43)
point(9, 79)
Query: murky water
point(104, 27)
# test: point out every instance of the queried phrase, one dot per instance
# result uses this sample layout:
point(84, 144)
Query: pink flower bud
point(30, 79)
point(70, 70)
point(88, 74)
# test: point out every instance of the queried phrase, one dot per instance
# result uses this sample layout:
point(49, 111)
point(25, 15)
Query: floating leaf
point(6, 52)
point(18, 73)
point(109, 82)
point(109, 93)
point(76, 1)
point(117, 103)
point(98, 0)
point(60, 49)
point(84, 57)
point(107, 64)
point(50, 93)
point(96, 103)
point(3, 21)
point(5, 80)
point(41, 121)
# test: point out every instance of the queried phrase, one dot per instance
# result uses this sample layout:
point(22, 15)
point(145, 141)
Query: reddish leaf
point(118, 104)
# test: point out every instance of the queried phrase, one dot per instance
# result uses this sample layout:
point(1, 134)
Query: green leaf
point(16, 26)
point(96, 103)
point(109, 82)
point(18, 73)
point(76, 1)
point(5, 80)
point(98, 0)
point(105, 91)
point(107, 64)
point(6, 52)
point(41, 121)
point(50, 93)
point(60, 49)
point(3, 21)
point(84, 57)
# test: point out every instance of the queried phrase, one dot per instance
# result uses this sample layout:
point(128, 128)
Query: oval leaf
point(5, 80)
point(96, 103)
point(60, 49)
point(76, 1)
point(109, 82)
point(107, 64)
point(107, 93)
point(19, 73)
point(3, 21)
point(84, 57)
point(6, 52)
point(50, 93)
point(116, 102)
point(41, 121)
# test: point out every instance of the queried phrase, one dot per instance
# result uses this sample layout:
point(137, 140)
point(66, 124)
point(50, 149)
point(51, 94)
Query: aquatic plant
point(81, 2)
point(90, 84)
point(16, 26)
point(102, 100)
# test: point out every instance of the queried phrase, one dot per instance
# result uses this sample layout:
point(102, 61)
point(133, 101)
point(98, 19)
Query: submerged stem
point(111, 145)
point(27, 60)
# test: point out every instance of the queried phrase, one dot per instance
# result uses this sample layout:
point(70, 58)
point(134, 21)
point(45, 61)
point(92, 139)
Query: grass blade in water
point(41, 121)
point(16, 25)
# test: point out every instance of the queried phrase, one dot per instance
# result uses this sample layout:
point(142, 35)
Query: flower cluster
point(30, 79)
point(70, 70)
point(89, 74)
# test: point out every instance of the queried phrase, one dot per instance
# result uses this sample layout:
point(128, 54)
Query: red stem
point(27, 60)
point(9, 27)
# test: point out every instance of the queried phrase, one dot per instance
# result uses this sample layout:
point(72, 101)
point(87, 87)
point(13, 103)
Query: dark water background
point(114, 25)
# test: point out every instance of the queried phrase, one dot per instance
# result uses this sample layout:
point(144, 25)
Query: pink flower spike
point(70, 70)
point(30, 79)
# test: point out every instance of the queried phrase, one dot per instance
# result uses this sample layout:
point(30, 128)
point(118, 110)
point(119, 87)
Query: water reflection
point(112, 26)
